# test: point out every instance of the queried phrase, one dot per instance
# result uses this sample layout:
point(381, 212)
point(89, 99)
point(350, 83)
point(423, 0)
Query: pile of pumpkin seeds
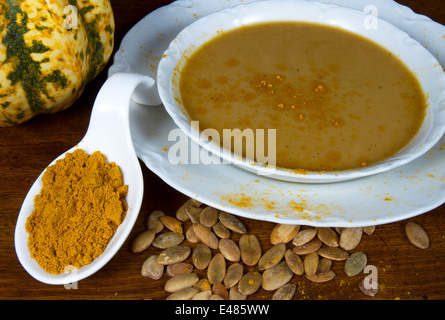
point(312, 253)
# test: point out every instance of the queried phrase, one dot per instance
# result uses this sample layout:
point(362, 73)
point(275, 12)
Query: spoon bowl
point(109, 133)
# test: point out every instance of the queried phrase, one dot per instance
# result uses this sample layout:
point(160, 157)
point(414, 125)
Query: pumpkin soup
point(337, 100)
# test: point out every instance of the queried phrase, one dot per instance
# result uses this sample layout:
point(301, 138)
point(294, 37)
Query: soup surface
point(337, 100)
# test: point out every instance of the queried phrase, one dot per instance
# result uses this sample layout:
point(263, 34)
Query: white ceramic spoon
point(109, 133)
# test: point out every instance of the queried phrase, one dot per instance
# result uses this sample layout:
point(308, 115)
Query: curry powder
point(80, 206)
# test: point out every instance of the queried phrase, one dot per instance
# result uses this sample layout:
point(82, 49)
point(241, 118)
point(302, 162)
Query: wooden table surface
point(404, 271)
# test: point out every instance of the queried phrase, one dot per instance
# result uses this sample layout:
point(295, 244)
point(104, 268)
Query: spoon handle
point(110, 115)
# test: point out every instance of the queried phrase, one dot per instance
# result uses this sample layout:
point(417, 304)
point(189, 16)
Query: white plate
point(399, 194)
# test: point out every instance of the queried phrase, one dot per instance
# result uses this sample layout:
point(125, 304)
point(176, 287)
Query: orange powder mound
point(77, 212)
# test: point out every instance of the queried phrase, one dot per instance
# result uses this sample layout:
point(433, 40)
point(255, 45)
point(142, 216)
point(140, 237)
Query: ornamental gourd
point(49, 51)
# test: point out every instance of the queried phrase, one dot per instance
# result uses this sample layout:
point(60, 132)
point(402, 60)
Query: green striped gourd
point(49, 51)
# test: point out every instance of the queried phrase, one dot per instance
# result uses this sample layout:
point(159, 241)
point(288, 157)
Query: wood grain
point(404, 271)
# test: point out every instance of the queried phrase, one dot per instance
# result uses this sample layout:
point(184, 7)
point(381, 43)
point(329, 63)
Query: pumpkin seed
point(328, 236)
point(304, 236)
point(201, 256)
point(229, 249)
point(286, 292)
point(221, 231)
point(307, 248)
point(369, 230)
point(220, 290)
point(231, 222)
point(339, 229)
point(193, 213)
point(355, 263)
point(153, 221)
point(276, 277)
point(152, 269)
point(168, 239)
point(310, 263)
point(181, 213)
point(250, 249)
point(190, 235)
point(203, 285)
point(350, 238)
point(216, 297)
point(324, 265)
point(181, 281)
point(283, 233)
point(171, 223)
point(233, 275)
point(143, 240)
point(183, 294)
point(333, 253)
point(369, 289)
point(195, 202)
point(208, 216)
point(272, 256)
point(250, 283)
point(173, 255)
point(205, 235)
point(417, 235)
point(178, 268)
point(217, 269)
point(202, 295)
point(235, 294)
point(294, 262)
point(322, 277)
